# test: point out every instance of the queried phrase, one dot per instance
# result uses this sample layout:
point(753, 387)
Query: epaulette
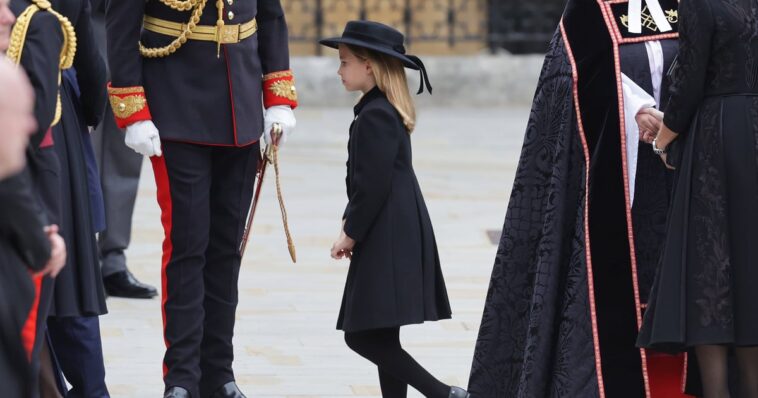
point(18, 39)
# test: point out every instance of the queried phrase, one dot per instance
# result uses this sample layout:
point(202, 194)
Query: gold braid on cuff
point(284, 88)
point(125, 102)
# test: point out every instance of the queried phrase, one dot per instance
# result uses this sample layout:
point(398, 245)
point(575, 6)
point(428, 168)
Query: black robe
point(564, 303)
point(394, 277)
point(79, 288)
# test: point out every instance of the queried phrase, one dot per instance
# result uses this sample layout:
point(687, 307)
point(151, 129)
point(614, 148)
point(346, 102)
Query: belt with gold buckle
point(229, 34)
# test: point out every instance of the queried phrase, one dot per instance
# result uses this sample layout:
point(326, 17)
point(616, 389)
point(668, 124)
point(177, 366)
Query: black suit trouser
point(204, 193)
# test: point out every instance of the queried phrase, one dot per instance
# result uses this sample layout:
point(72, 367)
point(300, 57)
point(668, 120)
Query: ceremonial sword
point(270, 155)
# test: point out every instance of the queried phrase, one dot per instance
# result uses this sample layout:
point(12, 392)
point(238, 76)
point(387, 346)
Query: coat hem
point(393, 324)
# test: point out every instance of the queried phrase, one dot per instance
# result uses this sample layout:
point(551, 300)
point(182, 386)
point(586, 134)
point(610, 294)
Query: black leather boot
point(229, 390)
point(457, 392)
point(177, 392)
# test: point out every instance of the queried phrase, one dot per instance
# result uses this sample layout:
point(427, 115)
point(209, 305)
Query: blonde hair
point(389, 74)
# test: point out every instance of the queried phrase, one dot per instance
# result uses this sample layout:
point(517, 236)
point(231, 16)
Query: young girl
point(394, 277)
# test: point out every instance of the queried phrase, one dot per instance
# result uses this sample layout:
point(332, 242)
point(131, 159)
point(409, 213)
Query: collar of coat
point(373, 94)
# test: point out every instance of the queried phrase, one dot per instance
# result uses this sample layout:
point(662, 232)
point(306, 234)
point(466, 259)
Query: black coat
point(22, 220)
point(39, 59)
point(705, 290)
point(16, 298)
point(79, 288)
point(194, 96)
point(23, 247)
point(394, 277)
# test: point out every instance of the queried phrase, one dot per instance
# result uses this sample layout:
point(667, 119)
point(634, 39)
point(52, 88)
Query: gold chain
point(180, 5)
point(68, 50)
point(18, 34)
point(158, 52)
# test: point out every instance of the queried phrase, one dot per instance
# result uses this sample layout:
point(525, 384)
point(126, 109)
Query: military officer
point(42, 42)
point(189, 83)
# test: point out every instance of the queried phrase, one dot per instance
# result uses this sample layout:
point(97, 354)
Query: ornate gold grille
point(431, 26)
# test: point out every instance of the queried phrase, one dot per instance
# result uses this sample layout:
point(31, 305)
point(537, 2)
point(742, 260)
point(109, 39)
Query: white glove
point(143, 138)
point(283, 115)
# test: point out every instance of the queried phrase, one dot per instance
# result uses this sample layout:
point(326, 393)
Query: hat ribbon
point(424, 76)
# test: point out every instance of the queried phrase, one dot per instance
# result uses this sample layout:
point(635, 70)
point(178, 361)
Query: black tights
point(713, 364)
point(397, 369)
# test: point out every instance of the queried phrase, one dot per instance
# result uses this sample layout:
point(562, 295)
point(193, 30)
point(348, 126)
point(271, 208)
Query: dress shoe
point(124, 284)
point(457, 392)
point(229, 390)
point(176, 392)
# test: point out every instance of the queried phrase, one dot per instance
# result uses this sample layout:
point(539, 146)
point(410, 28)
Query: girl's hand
point(343, 247)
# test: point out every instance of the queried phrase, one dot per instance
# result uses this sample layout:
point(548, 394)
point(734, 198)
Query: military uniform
point(204, 85)
point(42, 43)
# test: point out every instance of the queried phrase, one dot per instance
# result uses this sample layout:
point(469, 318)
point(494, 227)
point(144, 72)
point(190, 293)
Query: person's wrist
point(664, 140)
point(658, 147)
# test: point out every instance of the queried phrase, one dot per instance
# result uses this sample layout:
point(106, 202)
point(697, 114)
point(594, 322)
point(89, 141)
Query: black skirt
point(79, 287)
point(705, 290)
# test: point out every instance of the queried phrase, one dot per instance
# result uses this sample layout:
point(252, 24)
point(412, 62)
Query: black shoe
point(176, 392)
point(229, 390)
point(457, 392)
point(124, 284)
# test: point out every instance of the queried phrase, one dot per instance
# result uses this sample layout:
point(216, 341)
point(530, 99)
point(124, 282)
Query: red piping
point(231, 96)
point(29, 330)
point(164, 201)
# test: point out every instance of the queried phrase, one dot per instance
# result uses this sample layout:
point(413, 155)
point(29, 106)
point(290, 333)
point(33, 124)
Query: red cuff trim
point(129, 105)
point(279, 89)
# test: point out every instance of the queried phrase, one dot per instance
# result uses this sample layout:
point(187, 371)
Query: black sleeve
point(347, 184)
point(40, 59)
point(22, 221)
point(90, 69)
point(123, 22)
point(376, 141)
point(273, 46)
point(696, 28)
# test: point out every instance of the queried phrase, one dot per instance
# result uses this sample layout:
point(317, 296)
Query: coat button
point(230, 15)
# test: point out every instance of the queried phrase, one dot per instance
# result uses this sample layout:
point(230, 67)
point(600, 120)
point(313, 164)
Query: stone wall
point(481, 80)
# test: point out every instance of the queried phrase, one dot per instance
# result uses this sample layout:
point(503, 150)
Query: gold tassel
point(274, 148)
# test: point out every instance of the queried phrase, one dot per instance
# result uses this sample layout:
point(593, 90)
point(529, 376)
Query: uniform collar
point(368, 97)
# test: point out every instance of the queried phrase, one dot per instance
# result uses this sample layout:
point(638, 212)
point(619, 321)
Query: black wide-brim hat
point(383, 39)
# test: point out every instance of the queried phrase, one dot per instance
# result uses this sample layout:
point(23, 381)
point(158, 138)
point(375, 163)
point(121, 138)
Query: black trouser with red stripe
point(204, 193)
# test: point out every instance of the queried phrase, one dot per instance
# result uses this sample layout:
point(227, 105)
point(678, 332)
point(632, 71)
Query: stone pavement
point(286, 344)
